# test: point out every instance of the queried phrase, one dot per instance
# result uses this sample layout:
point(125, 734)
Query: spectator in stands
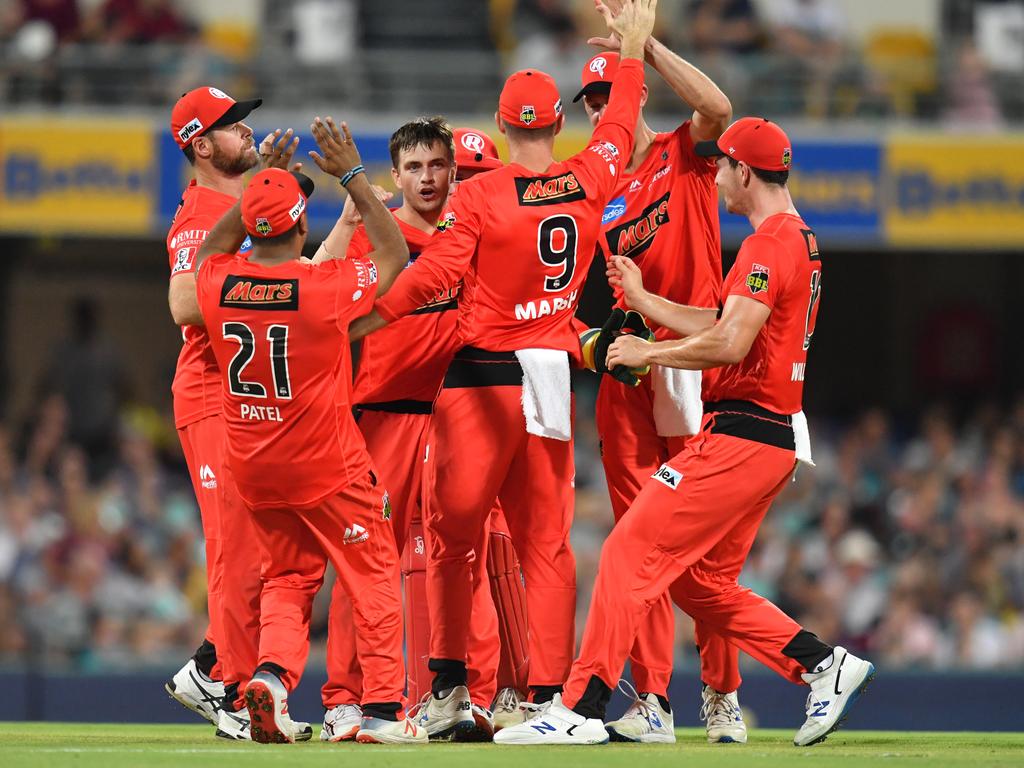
point(138, 22)
point(972, 100)
point(61, 15)
point(725, 36)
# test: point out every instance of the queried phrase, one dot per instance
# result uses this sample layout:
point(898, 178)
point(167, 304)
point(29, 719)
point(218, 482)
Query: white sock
point(825, 663)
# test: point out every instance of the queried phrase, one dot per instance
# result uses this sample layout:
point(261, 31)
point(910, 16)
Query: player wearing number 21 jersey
point(521, 238)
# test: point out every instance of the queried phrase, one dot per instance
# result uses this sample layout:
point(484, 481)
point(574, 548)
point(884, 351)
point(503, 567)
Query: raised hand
point(632, 21)
point(350, 214)
point(340, 154)
point(277, 149)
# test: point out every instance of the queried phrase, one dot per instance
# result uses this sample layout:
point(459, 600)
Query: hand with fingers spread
point(612, 42)
point(277, 150)
point(339, 152)
point(631, 21)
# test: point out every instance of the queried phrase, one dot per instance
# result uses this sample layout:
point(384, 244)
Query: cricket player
point(278, 327)
point(692, 526)
point(663, 214)
point(521, 239)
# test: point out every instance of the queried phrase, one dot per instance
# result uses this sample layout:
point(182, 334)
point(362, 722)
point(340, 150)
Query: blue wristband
point(351, 175)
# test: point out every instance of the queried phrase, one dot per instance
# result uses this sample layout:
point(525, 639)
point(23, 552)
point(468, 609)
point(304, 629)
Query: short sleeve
point(359, 246)
point(206, 277)
point(691, 160)
point(184, 244)
point(356, 287)
point(758, 271)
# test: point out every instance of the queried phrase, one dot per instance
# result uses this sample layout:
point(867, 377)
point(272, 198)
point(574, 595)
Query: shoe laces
point(508, 700)
point(418, 707)
point(717, 708)
point(344, 711)
point(531, 710)
point(640, 707)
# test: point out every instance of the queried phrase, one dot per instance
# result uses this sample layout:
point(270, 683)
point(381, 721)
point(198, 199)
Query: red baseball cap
point(201, 109)
point(273, 201)
point(475, 151)
point(530, 99)
point(757, 141)
point(598, 74)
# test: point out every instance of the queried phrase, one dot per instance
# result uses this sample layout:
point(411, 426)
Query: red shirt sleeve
point(187, 239)
point(356, 287)
point(359, 245)
point(758, 271)
point(445, 260)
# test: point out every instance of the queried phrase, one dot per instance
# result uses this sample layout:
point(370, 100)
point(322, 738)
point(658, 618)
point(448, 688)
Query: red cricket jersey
point(407, 359)
point(196, 386)
point(280, 336)
point(524, 241)
point(664, 216)
point(779, 266)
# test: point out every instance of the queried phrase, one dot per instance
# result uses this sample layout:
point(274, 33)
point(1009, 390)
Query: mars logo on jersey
point(636, 235)
point(549, 190)
point(757, 280)
point(257, 293)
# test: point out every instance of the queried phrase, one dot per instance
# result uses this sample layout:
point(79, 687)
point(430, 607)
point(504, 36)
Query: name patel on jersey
point(636, 235)
point(549, 190)
point(531, 310)
point(260, 412)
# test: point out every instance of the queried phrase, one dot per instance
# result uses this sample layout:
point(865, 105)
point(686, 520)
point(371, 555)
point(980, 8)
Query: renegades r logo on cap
point(597, 66)
point(527, 114)
point(474, 142)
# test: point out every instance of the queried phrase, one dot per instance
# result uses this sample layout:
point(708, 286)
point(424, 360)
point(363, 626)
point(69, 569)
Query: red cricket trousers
point(398, 444)
point(351, 531)
point(232, 563)
point(690, 531)
point(631, 451)
point(480, 450)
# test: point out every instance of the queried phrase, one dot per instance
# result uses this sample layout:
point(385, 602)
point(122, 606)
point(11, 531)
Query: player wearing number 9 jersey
point(692, 526)
point(278, 328)
point(522, 238)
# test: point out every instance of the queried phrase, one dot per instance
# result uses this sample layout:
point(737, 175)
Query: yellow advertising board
point(963, 191)
point(77, 175)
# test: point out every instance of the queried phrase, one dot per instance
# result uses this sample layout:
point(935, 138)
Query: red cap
point(598, 74)
point(204, 108)
point(273, 201)
point(530, 99)
point(475, 151)
point(757, 141)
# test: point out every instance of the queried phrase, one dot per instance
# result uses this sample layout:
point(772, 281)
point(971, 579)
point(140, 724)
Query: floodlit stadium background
point(906, 543)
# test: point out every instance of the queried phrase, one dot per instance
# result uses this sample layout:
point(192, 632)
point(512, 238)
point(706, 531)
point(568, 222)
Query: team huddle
point(438, 480)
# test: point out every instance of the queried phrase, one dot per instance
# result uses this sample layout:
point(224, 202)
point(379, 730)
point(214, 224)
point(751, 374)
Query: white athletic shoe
point(234, 724)
point(554, 724)
point(722, 717)
point(833, 693)
point(644, 722)
point(507, 711)
point(194, 690)
point(374, 730)
point(342, 723)
point(447, 719)
point(266, 698)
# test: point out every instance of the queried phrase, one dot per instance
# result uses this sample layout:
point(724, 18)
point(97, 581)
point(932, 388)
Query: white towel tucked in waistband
point(678, 409)
point(802, 438)
point(546, 398)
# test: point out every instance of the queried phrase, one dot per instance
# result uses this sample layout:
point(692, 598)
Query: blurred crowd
point(904, 543)
point(783, 57)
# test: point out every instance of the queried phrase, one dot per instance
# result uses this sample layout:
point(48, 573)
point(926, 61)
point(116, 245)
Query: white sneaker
point(507, 710)
point(833, 692)
point(192, 689)
point(644, 722)
point(556, 724)
point(234, 724)
point(446, 719)
point(722, 717)
point(374, 730)
point(267, 701)
point(341, 723)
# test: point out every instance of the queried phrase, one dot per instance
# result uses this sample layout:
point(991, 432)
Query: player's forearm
point(335, 245)
point(182, 300)
point(707, 349)
point(689, 83)
point(227, 235)
point(679, 318)
point(390, 251)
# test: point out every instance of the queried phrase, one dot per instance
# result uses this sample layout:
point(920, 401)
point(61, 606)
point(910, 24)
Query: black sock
point(447, 674)
point(230, 697)
point(385, 710)
point(662, 700)
point(205, 657)
point(594, 700)
point(275, 669)
point(807, 649)
point(542, 694)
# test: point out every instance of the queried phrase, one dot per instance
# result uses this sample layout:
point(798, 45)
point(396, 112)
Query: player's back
point(280, 337)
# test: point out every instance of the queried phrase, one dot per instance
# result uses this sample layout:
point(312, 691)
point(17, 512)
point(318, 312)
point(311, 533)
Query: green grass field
point(112, 746)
